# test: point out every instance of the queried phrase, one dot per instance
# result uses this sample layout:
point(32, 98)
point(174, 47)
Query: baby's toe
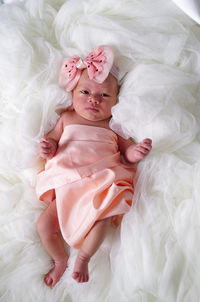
point(48, 280)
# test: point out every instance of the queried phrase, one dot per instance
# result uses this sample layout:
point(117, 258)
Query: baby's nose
point(94, 99)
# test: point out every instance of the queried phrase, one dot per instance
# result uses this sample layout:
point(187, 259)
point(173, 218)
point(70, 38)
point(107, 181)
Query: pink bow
point(98, 64)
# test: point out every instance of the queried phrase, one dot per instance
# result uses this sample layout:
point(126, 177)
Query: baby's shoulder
point(66, 118)
point(66, 114)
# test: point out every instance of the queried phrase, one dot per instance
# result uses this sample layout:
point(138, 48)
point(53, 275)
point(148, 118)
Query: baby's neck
point(77, 119)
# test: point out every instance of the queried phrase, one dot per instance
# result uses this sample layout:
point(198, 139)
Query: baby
point(86, 185)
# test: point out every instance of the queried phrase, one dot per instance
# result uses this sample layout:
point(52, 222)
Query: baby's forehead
point(109, 81)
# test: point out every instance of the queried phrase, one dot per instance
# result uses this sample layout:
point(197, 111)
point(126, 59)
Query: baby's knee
point(47, 224)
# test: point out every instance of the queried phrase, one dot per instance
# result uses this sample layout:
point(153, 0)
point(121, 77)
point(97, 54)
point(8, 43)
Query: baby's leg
point(90, 245)
point(49, 232)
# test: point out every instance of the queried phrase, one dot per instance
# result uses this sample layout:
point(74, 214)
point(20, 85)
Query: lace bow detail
point(98, 64)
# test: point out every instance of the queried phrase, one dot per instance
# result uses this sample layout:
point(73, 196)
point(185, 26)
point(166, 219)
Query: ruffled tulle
point(154, 257)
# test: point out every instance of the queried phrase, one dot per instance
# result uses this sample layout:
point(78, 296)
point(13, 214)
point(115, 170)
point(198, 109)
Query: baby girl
point(86, 185)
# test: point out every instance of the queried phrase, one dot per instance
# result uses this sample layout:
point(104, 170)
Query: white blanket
point(154, 256)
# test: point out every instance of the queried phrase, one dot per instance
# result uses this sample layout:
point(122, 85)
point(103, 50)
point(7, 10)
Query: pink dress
point(88, 179)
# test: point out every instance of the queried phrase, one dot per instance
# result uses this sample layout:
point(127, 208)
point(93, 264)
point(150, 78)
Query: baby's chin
point(95, 116)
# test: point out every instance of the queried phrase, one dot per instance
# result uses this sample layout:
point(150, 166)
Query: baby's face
point(94, 101)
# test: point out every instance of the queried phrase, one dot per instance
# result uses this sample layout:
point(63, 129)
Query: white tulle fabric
point(190, 7)
point(155, 254)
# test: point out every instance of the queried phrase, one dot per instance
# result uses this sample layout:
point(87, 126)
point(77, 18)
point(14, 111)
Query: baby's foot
point(54, 275)
point(80, 273)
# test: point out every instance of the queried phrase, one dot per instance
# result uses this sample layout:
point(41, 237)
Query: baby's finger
point(141, 149)
point(47, 151)
point(44, 144)
point(146, 144)
point(145, 151)
point(44, 147)
point(147, 141)
point(45, 155)
point(147, 147)
point(43, 139)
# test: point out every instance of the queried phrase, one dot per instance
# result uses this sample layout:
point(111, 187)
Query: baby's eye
point(104, 95)
point(84, 91)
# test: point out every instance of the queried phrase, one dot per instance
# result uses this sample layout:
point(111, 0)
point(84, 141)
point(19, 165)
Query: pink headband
point(98, 64)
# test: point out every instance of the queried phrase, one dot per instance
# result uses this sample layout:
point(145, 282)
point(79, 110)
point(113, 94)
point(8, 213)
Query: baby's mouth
point(93, 109)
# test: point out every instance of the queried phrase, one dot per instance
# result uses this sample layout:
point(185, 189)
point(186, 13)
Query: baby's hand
point(47, 148)
point(139, 151)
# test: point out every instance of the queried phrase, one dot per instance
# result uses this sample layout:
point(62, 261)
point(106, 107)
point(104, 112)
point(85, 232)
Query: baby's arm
point(49, 143)
point(134, 152)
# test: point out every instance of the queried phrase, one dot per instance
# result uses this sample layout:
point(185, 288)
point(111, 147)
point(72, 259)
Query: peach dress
point(88, 179)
